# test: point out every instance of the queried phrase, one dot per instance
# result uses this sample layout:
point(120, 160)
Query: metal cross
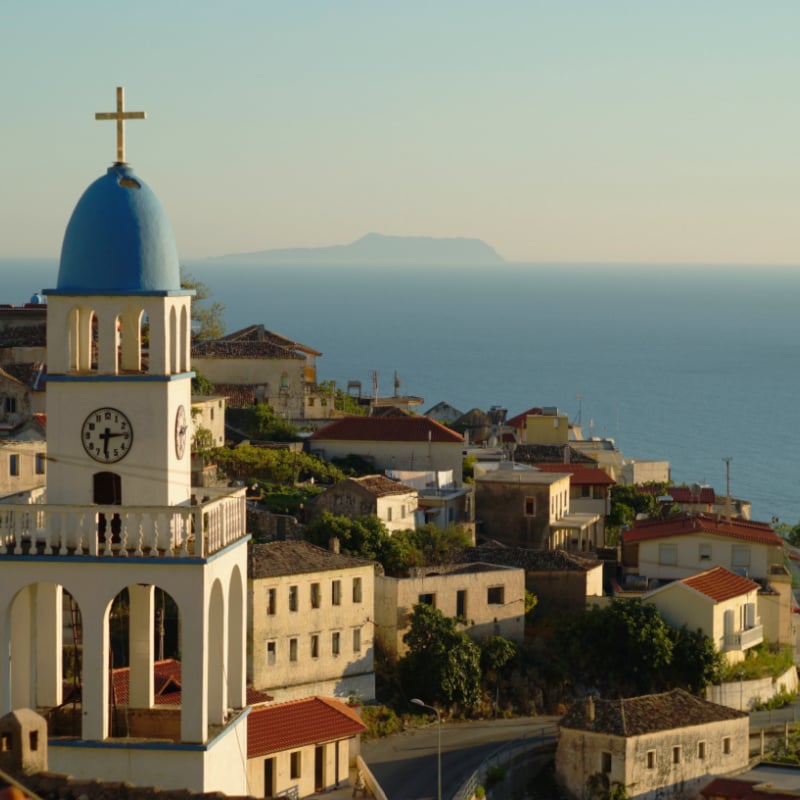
point(120, 115)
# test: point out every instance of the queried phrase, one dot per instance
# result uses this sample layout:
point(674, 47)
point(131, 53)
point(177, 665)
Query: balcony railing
point(183, 531)
point(743, 640)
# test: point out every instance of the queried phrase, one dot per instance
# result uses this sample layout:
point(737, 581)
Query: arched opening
point(217, 694)
point(145, 668)
point(72, 340)
point(47, 669)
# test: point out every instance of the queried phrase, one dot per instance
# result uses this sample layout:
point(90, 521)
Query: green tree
point(206, 316)
point(202, 385)
point(339, 398)
point(696, 662)
point(271, 427)
point(274, 466)
point(430, 545)
point(440, 658)
point(496, 652)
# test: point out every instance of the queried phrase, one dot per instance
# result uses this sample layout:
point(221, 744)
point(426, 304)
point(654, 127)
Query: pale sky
point(593, 130)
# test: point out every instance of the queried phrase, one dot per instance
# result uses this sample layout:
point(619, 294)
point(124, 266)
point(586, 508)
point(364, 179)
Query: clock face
point(180, 432)
point(107, 435)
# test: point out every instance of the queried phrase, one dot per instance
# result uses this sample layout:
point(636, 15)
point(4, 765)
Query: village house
point(392, 443)
point(490, 597)
point(561, 581)
point(392, 502)
point(301, 747)
point(654, 746)
point(441, 502)
point(531, 508)
point(659, 551)
point(254, 365)
point(312, 622)
point(720, 603)
point(696, 499)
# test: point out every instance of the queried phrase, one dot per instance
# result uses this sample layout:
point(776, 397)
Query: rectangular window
point(336, 643)
point(585, 490)
point(356, 640)
point(701, 750)
point(740, 556)
point(356, 590)
point(495, 596)
point(336, 593)
point(40, 459)
point(389, 514)
point(676, 754)
point(314, 645)
point(272, 599)
point(10, 405)
point(651, 759)
point(292, 649)
point(427, 600)
point(668, 554)
point(403, 511)
point(33, 740)
point(13, 465)
point(294, 765)
point(530, 506)
point(271, 653)
point(726, 745)
point(5, 742)
point(705, 551)
point(315, 595)
point(292, 598)
point(461, 603)
point(605, 762)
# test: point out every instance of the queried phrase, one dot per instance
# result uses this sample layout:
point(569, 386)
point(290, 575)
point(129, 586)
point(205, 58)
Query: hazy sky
point(591, 131)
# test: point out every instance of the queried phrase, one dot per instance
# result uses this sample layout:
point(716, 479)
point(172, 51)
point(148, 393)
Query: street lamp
point(417, 702)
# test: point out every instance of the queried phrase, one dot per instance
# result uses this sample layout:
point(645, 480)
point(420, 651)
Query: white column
point(159, 339)
point(94, 678)
point(194, 676)
point(107, 343)
point(141, 643)
point(49, 639)
point(85, 340)
point(22, 645)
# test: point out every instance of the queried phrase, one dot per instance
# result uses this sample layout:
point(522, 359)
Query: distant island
point(378, 250)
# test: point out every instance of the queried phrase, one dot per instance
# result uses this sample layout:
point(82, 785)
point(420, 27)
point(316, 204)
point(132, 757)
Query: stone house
point(531, 509)
point(255, 365)
point(302, 747)
point(722, 604)
point(392, 443)
point(311, 622)
point(490, 596)
point(392, 502)
point(655, 746)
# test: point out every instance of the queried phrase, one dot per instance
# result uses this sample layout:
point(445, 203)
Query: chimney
point(333, 544)
point(589, 710)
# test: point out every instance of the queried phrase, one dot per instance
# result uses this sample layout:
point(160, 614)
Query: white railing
point(742, 640)
point(182, 531)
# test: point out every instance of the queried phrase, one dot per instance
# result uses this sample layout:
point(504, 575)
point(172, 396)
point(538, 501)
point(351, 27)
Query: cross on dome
point(120, 115)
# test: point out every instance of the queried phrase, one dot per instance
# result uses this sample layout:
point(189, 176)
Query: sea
point(694, 365)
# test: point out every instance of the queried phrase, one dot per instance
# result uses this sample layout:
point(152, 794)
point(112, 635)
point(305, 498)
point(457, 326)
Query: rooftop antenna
point(373, 373)
point(396, 384)
point(579, 398)
point(728, 505)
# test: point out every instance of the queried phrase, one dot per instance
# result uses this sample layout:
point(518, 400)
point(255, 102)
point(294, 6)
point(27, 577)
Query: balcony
point(744, 640)
point(183, 531)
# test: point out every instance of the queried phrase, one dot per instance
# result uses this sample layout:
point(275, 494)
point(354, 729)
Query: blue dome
point(118, 240)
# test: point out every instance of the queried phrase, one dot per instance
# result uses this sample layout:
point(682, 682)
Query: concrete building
point(392, 443)
point(119, 522)
point(392, 502)
point(655, 746)
point(312, 622)
point(490, 596)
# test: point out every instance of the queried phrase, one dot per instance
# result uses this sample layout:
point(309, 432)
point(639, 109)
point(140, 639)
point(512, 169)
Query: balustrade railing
point(181, 531)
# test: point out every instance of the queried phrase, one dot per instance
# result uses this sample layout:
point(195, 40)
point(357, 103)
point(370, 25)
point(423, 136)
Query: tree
point(430, 544)
point(440, 658)
point(206, 317)
point(270, 427)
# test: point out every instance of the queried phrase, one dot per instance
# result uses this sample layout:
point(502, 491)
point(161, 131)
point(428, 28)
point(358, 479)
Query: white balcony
point(183, 531)
point(744, 640)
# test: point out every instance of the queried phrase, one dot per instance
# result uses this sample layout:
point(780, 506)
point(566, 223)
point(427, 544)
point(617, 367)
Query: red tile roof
point(258, 333)
point(738, 789)
point(681, 494)
point(580, 474)
point(720, 584)
point(298, 723)
point(690, 524)
point(387, 429)
point(166, 685)
point(518, 422)
point(381, 486)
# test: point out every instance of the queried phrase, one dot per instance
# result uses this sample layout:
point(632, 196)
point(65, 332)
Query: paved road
point(405, 764)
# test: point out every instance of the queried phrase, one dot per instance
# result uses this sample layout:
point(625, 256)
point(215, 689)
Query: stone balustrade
point(193, 530)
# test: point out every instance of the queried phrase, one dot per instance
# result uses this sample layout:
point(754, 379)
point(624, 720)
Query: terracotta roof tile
point(580, 474)
point(258, 333)
point(518, 421)
point(215, 348)
point(273, 559)
point(682, 494)
point(691, 524)
point(529, 560)
point(381, 486)
point(288, 726)
point(720, 584)
point(635, 716)
point(387, 429)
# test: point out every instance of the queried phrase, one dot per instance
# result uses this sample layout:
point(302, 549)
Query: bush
point(380, 721)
